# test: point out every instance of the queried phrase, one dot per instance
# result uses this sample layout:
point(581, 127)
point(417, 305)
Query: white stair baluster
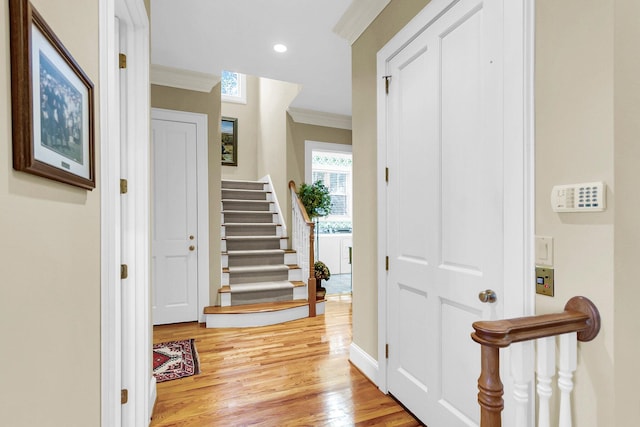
point(546, 367)
point(522, 362)
point(567, 365)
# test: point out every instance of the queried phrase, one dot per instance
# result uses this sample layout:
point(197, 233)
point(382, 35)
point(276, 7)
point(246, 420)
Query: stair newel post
point(311, 285)
point(490, 388)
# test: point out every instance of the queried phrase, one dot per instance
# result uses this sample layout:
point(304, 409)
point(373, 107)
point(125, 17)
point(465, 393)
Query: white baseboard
point(153, 394)
point(365, 363)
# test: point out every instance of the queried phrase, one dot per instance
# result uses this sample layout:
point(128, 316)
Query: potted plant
point(321, 272)
point(316, 199)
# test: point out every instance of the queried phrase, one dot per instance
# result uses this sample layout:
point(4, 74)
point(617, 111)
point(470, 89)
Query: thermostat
point(586, 197)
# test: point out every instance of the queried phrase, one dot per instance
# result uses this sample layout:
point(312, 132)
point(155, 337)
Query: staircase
point(261, 283)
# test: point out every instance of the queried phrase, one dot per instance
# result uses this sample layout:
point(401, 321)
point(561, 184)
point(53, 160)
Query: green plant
point(315, 198)
point(321, 271)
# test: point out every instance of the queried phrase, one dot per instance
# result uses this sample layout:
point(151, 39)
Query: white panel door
point(174, 228)
point(445, 209)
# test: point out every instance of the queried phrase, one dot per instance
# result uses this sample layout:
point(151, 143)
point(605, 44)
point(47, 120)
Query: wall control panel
point(544, 281)
point(586, 197)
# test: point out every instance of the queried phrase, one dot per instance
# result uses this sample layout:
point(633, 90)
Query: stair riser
point(248, 260)
point(240, 205)
point(260, 276)
point(251, 230)
point(261, 297)
point(252, 245)
point(243, 185)
point(252, 218)
point(246, 195)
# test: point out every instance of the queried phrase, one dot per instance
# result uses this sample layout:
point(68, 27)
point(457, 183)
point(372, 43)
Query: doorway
point(332, 164)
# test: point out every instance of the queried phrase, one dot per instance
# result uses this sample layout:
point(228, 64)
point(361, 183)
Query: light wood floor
point(294, 374)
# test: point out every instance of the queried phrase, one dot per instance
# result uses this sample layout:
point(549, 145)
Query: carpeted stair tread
point(253, 237)
point(258, 252)
point(256, 268)
point(250, 224)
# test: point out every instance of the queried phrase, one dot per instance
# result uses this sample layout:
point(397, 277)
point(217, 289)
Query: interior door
point(174, 222)
point(445, 209)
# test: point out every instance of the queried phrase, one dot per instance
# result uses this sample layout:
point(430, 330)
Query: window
point(234, 87)
point(334, 170)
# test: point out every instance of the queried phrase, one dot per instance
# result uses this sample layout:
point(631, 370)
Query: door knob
point(191, 237)
point(487, 296)
point(192, 248)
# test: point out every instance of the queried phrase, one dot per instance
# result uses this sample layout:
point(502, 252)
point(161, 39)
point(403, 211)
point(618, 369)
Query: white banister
point(302, 242)
point(545, 369)
point(566, 366)
point(522, 367)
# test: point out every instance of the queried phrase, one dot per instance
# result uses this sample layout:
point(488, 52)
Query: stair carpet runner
point(257, 267)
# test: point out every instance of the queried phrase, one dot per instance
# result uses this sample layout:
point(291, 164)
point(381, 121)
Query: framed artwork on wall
point(229, 132)
point(52, 103)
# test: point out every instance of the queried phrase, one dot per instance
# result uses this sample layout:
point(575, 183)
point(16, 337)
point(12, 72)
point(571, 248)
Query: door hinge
point(386, 174)
point(386, 351)
point(387, 81)
point(124, 271)
point(124, 396)
point(124, 186)
point(387, 263)
point(122, 60)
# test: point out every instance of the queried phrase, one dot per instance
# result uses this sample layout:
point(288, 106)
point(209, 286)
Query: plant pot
point(320, 292)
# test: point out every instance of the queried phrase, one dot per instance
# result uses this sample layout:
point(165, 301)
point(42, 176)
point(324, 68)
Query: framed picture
point(51, 103)
point(229, 130)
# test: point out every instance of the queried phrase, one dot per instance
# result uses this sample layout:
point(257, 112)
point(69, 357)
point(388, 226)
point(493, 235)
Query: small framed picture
point(229, 131)
point(52, 103)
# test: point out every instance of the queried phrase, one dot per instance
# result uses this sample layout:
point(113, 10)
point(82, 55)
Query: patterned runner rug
point(175, 359)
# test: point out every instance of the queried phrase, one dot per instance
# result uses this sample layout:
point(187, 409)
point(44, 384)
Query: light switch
point(544, 251)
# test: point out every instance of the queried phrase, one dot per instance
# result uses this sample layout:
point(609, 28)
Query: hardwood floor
point(293, 374)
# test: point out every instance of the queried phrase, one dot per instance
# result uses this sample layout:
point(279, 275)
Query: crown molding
point(182, 79)
point(358, 16)
point(319, 118)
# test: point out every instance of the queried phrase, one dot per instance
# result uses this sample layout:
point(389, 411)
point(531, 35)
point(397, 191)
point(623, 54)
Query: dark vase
point(320, 291)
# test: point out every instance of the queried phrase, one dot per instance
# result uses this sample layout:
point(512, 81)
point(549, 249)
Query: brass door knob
point(192, 248)
point(488, 296)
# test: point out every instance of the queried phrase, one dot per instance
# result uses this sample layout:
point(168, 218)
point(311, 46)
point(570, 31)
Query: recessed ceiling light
point(280, 48)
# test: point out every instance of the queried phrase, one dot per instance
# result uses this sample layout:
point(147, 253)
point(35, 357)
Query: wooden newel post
point(490, 388)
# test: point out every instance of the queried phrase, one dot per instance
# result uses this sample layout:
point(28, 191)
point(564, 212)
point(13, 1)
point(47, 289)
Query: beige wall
point(627, 224)
point(297, 134)
point(364, 50)
point(574, 114)
point(209, 104)
point(248, 119)
point(50, 261)
point(275, 97)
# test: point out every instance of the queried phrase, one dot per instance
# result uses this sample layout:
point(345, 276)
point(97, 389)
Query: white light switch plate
point(544, 251)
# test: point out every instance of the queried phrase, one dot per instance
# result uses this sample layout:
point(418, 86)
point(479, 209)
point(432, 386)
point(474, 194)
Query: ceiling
point(207, 36)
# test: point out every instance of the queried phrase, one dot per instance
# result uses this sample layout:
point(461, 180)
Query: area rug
point(175, 359)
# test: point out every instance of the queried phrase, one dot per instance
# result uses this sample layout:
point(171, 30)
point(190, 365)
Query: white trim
point(519, 299)
point(125, 308)
point(110, 221)
point(318, 118)
point(311, 146)
point(182, 79)
point(365, 363)
point(358, 16)
point(200, 121)
point(274, 198)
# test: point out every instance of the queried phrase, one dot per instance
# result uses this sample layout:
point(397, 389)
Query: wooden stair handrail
point(580, 315)
point(311, 281)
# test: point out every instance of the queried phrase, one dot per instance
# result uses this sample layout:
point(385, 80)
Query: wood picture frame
point(229, 141)
point(52, 103)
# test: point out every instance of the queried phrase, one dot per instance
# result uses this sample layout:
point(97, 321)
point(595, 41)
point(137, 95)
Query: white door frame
point(519, 298)
point(202, 154)
point(127, 306)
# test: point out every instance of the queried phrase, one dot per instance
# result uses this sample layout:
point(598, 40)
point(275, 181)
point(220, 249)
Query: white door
point(445, 203)
point(174, 222)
